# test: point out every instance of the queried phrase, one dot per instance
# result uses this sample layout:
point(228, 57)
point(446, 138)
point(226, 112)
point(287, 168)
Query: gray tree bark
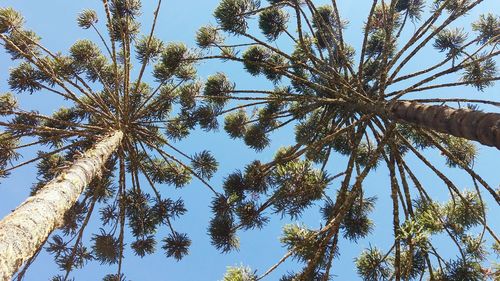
point(465, 123)
point(23, 231)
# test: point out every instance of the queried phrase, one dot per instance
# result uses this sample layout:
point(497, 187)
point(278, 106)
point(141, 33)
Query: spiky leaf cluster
point(232, 14)
point(356, 224)
point(304, 245)
point(176, 245)
point(208, 36)
point(488, 27)
point(299, 185)
point(371, 265)
point(106, 248)
point(87, 19)
point(239, 273)
point(273, 22)
point(450, 41)
point(302, 241)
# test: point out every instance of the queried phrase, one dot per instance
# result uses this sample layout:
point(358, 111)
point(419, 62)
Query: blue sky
point(55, 22)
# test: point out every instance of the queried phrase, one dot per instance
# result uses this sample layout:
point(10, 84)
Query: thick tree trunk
point(23, 231)
point(465, 123)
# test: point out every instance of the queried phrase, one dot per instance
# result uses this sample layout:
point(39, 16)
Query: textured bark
point(465, 123)
point(23, 231)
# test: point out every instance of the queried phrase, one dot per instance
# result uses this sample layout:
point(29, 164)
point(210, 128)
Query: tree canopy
point(352, 111)
point(104, 98)
point(361, 102)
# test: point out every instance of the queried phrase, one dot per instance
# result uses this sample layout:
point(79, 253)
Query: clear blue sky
point(55, 22)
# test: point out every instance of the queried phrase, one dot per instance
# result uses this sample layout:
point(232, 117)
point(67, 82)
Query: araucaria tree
point(363, 103)
point(117, 130)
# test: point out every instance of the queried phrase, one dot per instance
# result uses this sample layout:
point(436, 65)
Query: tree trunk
point(23, 231)
point(465, 123)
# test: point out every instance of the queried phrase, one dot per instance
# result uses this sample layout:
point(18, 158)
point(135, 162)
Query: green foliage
point(8, 143)
point(371, 265)
point(253, 58)
point(231, 15)
point(114, 277)
point(177, 129)
point(235, 124)
point(256, 137)
point(123, 8)
point(305, 131)
point(106, 248)
point(364, 154)
point(77, 260)
point(23, 124)
point(187, 94)
point(496, 248)
point(176, 245)
point(142, 218)
point(413, 264)
point(414, 231)
point(73, 218)
point(208, 36)
point(302, 241)
point(323, 18)
point(145, 246)
point(480, 72)
point(461, 270)
point(488, 27)
point(250, 216)
point(206, 115)
point(87, 56)
point(163, 102)
point(274, 66)
point(87, 18)
point(474, 247)
point(8, 103)
point(319, 88)
point(119, 24)
point(453, 7)
point(376, 45)
point(425, 217)
point(148, 48)
point(273, 22)
point(24, 78)
point(463, 214)
point(223, 233)
point(450, 41)
point(239, 273)
point(174, 60)
point(173, 55)
point(298, 186)
point(103, 188)
point(217, 89)
point(417, 138)
point(234, 184)
point(204, 164)
point(57, 245)
point(462, 150)
point(256, 177)
point(356, 224)
point(21, 43)
point(314, 276)
point(10, 19)
point(381, 22)
point(414, 8)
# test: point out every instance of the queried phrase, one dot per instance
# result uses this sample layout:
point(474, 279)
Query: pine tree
point(357, 101)
point(117, 128)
